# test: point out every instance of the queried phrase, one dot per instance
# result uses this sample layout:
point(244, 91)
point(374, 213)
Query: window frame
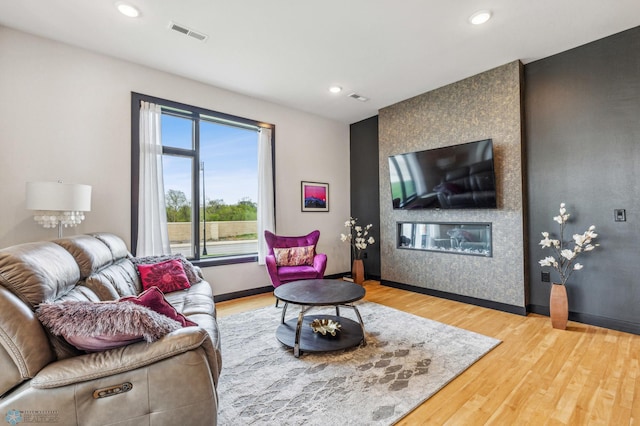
point(194, 113)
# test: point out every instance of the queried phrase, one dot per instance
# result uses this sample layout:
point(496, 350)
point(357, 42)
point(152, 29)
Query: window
point(210, 178)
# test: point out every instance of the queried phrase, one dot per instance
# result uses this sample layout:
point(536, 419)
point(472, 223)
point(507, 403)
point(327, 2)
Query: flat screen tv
point(453, 177)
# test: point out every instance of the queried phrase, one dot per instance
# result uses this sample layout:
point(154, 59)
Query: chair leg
point(277, 300)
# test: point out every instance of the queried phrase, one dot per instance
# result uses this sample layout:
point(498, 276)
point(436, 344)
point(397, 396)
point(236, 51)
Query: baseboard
point(512, 309)
point(243, 293)
point(336, 276)
point(342, 274)
point(610, 323)
point(269, 289)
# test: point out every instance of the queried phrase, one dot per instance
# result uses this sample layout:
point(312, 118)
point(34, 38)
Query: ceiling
point(290, 51)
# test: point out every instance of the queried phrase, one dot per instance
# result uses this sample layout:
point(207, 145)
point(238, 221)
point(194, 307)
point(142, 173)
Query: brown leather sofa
point(171, 381)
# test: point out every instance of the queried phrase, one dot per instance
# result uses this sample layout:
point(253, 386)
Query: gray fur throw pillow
point(96, 326)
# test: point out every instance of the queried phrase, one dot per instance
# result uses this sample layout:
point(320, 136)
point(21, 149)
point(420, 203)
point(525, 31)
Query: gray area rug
point(407, 359)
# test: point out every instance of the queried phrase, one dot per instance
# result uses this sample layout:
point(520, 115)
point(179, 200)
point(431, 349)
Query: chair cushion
point(294, 256)
point(293, 273)
point(168, 276)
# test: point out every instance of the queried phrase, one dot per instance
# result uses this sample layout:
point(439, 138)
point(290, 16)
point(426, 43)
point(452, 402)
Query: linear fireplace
point(458, 238)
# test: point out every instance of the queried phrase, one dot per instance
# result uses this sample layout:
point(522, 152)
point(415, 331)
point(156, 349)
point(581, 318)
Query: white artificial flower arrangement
point(564, 261)
point(358, 237)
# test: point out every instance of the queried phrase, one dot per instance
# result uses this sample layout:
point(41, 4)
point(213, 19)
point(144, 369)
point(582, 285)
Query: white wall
point(65, 115)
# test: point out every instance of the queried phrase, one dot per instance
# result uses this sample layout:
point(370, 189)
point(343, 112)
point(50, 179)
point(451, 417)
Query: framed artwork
point(315, 197)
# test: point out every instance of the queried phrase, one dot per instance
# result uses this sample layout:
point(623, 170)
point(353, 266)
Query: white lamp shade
point(58, 196)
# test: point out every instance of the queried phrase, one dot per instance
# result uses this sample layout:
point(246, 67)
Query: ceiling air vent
point(358, 97)
point(187, 31)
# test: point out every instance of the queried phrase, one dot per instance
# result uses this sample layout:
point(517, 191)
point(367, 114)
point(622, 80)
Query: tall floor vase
point(357, 271)
point(558, 306)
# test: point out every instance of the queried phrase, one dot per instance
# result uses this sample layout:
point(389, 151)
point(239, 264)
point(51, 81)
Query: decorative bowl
point(325, 326)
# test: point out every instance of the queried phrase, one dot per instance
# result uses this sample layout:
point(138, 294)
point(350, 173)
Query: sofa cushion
point(90, 254)
point(294, 256)
point(116, 244)
point(116, 280)
point(38, 272)
point(154, 299)
point(168, 276)
point(104, 325)
point(197, 305)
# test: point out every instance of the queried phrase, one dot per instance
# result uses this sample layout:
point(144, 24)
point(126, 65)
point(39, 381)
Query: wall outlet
point(620, 215)
point(545, 276)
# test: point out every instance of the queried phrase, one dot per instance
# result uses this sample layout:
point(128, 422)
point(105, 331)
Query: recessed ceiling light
point(480, 17)
point(335, 89)
point(128, 10)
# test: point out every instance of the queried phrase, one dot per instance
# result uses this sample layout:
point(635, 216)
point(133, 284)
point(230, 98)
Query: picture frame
point(314, 196)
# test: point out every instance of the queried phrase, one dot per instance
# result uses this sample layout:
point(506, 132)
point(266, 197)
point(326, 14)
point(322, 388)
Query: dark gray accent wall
point(365, 193)
point(583, 148)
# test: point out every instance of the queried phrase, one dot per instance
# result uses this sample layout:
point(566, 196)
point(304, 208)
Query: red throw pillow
point(168, 276)
point(154, 299)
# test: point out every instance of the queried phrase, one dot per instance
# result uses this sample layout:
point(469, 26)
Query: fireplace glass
point(458, 238)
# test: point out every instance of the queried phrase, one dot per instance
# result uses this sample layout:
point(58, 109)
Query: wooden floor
point(584, 375)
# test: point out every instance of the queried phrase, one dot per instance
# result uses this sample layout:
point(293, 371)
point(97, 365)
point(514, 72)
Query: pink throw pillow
point(168, 276)
point(153, 298)
point(102, 343)
point(294, 256)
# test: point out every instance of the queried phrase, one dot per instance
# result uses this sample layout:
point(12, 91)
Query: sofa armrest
point(102, 364)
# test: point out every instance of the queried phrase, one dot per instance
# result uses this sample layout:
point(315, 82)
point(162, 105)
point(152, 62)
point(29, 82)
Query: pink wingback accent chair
point(283, 274)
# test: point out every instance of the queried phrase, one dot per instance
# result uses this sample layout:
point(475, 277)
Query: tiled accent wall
point(484, 106)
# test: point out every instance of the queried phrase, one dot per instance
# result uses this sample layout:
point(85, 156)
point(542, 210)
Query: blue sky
point(229, 155)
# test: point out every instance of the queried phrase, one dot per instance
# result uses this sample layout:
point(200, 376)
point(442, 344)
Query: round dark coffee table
point(297, 333)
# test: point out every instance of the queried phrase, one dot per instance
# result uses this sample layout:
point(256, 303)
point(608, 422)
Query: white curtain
point(153, 236)
point(266, 217)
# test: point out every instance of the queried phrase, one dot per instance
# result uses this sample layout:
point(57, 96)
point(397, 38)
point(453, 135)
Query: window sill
point(227, 260)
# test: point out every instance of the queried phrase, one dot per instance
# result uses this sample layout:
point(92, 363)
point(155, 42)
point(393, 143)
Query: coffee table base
point(350, 335)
